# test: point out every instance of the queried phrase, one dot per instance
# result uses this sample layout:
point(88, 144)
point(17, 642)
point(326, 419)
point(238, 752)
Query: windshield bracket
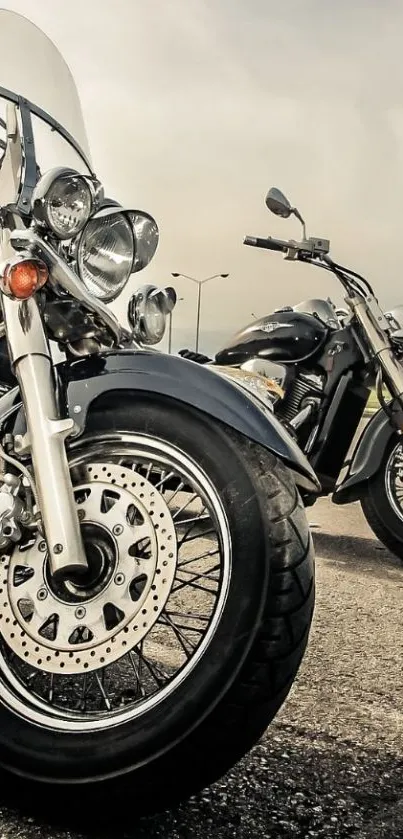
point(30, 165)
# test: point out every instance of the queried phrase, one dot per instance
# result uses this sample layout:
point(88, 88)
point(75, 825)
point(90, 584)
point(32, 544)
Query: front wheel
point(382, 501)
point(168, 660)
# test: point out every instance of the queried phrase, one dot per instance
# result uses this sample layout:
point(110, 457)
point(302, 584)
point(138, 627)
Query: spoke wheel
point(106, 647)
point(176, 702)
point(394, 479)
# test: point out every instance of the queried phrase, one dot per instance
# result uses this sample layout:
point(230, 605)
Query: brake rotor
point(86, 624)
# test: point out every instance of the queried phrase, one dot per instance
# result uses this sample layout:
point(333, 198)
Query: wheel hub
point(82, 624)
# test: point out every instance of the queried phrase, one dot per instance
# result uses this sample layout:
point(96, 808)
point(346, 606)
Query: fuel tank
point(285, 337)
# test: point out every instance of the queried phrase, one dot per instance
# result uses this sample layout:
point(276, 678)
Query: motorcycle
point(148, 634)
point(320, 364)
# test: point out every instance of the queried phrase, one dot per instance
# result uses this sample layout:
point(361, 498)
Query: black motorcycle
point(326, 361)
point(145, 631)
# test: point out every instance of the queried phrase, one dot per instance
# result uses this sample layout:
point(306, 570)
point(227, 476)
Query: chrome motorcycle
point(319, 364)
point(145, 631)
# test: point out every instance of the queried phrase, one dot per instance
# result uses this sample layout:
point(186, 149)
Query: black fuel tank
point(285, 337)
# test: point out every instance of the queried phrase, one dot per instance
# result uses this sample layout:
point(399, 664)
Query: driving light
point(147, 312)
point(63, 201)
point(22, 278)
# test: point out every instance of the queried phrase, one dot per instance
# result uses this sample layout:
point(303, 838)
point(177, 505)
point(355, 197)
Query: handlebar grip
point(269, 243)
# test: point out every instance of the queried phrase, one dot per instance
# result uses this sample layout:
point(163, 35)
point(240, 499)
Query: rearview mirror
point(277, 203)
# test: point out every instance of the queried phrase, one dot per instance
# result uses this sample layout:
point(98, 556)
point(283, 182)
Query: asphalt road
point(331, 765)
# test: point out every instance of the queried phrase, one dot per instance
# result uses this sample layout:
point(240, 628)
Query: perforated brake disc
point(82, 626)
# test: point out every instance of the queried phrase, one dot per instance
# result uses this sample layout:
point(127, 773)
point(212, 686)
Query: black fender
point(84, 380)
point(367, 457)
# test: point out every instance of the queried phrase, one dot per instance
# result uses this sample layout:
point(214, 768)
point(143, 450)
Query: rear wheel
point(169, 659)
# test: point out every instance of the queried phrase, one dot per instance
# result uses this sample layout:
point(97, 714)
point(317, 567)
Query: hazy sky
point(195, 107)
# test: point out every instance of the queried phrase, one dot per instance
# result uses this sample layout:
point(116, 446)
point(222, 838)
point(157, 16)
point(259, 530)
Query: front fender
point(86, 379)
point(367, 457)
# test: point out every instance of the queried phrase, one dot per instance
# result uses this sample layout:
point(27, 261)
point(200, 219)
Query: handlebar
point(269, 243)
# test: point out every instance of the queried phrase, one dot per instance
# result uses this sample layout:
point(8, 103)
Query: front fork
point(374, 326)
point(46, 433)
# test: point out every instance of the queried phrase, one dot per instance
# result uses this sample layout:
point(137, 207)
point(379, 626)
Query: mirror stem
point(297, 215)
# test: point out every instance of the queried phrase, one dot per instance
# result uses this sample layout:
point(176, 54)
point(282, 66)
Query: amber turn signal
point(24, 278)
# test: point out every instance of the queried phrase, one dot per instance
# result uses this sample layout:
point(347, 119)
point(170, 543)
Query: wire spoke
point(186, 540)
point(183, 640)
point(198, 558)
point(153, 669)
point(183, 626)
point(193, 584)
point(133, 662)
point(51, 688)
point(178, 489)
point(104, 695)
point(188, 615)
point(192, 521)
point(84, 692)
point(197, 576)
point(164, 479)
point(201, 575)
point(184, 506)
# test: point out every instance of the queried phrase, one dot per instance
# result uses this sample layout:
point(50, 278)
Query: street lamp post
point(199, 284)
point(170, 328)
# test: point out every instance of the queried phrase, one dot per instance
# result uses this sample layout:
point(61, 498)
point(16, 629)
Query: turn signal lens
point(24, 278)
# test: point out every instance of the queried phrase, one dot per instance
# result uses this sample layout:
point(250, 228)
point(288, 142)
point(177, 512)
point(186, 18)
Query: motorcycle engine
point(305, 391)
point(301, 396)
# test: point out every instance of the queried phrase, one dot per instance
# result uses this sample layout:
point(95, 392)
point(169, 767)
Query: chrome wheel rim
point(394, 480)
point(188, 606)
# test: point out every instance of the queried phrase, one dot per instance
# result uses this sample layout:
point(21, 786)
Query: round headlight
point(105, 255)
point(63, 201)
point(68, 207)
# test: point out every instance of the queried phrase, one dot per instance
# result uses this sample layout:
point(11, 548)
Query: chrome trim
point(63, 275)
point(23, 327)
point(302, 416)
point(46, 433)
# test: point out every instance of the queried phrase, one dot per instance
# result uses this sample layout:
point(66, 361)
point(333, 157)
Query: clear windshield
point(32, 67)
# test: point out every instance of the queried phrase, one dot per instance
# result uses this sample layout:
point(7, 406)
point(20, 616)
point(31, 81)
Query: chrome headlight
point(105, 255)
point(114, 244)
point(147, 312)
point(63, 201)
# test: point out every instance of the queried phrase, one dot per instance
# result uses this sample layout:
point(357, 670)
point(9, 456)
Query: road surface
point(331, 765)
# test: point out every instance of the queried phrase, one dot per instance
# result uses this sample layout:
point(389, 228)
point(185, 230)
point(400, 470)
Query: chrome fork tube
point(381, 347)
point(46, 433)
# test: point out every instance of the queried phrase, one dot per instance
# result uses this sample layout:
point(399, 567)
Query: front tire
point(218, 712)
point(382, 500)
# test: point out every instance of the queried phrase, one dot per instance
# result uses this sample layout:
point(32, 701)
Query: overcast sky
point(195, 107)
